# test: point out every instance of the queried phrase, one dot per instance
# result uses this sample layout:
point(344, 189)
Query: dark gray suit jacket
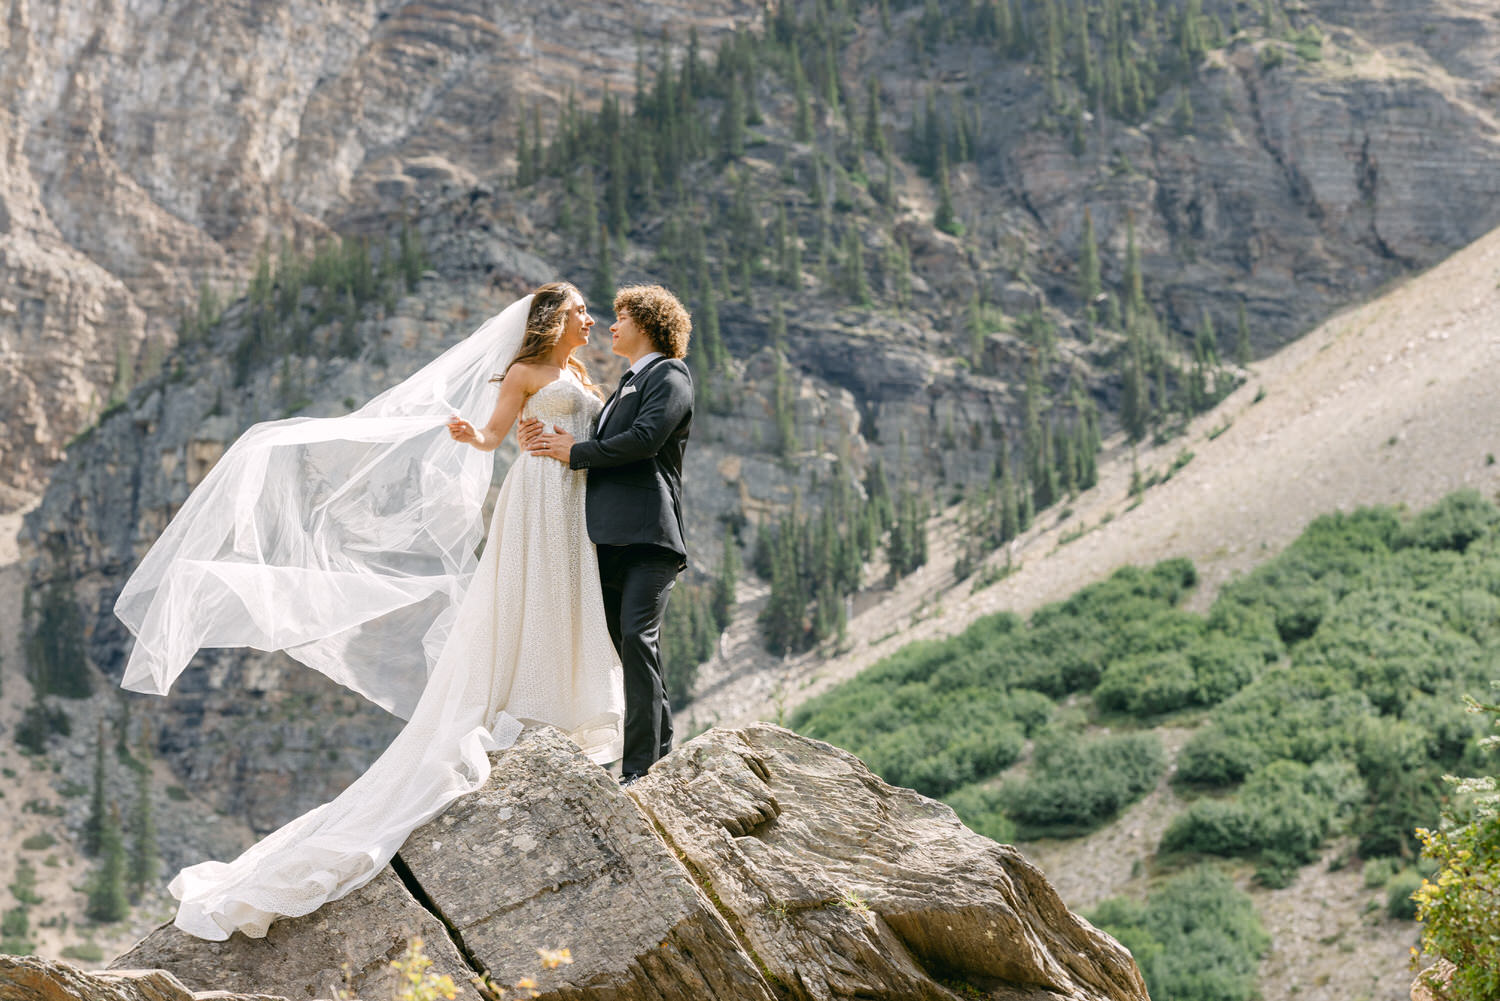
point(635, 461)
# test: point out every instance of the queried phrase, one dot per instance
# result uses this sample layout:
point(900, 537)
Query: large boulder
point(844, 886)
point(750, 864)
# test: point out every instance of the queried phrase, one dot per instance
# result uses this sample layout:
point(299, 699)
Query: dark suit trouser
point(637, 580)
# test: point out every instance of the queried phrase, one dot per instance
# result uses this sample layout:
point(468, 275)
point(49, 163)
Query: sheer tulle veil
point(347, 542)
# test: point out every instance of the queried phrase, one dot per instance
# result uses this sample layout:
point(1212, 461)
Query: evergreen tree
point(106, 896)
point(732, 122)
point(1135, 292)
point(1182, 113)
point(1051, 52)
point(855, 282)
point(144, 860)
point(1134, 402)
point(725, 583)
point(803, 129)
point(874, 136)
point(93, 827)
point(945, 219)
point(616, 194)
point(785, 406)
point(603, 288)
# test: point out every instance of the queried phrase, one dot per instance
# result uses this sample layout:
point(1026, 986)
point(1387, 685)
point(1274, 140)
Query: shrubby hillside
point(1325, 689)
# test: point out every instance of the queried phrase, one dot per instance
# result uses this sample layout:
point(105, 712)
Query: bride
point(348, 542)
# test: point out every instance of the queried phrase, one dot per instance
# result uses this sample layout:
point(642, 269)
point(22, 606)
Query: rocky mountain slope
point(152, 150)
point(1317, 166)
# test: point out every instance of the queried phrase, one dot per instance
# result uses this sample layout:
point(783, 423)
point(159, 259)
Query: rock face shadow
point(749, 864)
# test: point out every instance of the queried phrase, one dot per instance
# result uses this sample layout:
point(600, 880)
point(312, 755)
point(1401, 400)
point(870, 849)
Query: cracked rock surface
point(749, 864)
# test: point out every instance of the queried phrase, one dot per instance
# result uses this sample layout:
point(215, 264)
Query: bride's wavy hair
point(544, 325)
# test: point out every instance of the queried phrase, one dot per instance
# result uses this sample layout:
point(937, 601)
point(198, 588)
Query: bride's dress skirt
point(529, 645)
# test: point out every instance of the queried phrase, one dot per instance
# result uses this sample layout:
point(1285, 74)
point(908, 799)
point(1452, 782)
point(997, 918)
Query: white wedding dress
point(528, 644)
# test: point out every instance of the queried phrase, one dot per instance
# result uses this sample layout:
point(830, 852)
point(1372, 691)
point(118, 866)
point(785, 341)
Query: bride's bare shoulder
point(528, 378)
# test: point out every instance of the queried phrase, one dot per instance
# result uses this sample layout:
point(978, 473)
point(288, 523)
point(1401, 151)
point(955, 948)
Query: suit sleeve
point(665, 401)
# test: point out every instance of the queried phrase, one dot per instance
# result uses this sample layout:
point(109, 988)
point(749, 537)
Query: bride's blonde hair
point(544, 325)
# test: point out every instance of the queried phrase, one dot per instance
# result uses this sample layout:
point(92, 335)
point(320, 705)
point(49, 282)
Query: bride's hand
point(462, 431)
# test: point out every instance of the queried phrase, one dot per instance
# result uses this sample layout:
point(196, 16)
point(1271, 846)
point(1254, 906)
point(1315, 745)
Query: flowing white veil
point(347, 541)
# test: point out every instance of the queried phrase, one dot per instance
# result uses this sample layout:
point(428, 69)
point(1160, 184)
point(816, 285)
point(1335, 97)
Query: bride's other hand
point(527, 431)
point(462, 431)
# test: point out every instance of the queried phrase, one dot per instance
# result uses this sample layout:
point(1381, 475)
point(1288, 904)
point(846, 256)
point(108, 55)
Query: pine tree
point(617, 192)
point(603, 288)
point(93, 827)
point(803, 130)
point(1134, 403)
point(786, 417)
point(854, 268)
point(945, 219)
point(874, 136)
point(1135, 293)
point(732, 122)
point(725, 583)
point(106, 898)
point(144, 860)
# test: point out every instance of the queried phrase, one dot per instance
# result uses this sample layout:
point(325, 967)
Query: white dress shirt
point(634, 370)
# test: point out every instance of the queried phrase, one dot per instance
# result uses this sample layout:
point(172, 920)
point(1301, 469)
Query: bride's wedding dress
point(529, 644)
point(348, 542)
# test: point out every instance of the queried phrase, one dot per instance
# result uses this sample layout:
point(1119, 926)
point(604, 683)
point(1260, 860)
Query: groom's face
point(628, 340)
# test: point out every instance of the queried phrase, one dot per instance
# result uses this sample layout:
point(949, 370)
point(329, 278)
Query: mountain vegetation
point(1326, 688)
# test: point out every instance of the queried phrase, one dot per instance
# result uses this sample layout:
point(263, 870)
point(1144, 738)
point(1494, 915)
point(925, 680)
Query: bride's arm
point(514, 389)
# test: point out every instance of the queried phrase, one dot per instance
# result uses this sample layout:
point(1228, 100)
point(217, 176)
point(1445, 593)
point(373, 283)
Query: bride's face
point(576, 327)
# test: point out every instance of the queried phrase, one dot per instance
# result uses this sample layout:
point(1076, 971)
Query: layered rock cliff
point(750, 864)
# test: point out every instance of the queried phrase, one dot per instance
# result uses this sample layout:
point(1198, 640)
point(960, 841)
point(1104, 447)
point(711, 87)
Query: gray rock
point(843, 886)
point(29, 978)
point(749, 865)
point(552, 854)
point(305, 957)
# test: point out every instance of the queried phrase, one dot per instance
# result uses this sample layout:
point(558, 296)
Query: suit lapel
point(616, 400)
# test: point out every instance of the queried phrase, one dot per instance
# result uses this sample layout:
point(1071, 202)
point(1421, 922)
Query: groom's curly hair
point(659, 314)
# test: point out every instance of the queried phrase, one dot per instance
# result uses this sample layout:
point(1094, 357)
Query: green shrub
point(1454, 522)
point(1282, 814)
point(1147, 685)
point(87, 952)
point(1080, 784)
point(1197, 938)
point(39, 842)
point(1399, 903)
point(1212, 757)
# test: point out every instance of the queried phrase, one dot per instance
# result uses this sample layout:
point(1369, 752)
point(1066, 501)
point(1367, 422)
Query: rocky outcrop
point(751, 864)
point(28, 978)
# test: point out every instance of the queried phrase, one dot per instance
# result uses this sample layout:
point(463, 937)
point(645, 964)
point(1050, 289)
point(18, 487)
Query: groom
point(635, 501)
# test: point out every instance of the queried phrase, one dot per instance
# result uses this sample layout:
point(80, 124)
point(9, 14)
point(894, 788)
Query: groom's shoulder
point(675, 370)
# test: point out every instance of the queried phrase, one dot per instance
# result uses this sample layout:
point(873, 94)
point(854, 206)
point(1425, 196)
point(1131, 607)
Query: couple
point(335, 541)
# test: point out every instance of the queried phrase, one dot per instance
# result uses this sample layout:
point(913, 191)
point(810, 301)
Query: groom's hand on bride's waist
point(555, 444)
